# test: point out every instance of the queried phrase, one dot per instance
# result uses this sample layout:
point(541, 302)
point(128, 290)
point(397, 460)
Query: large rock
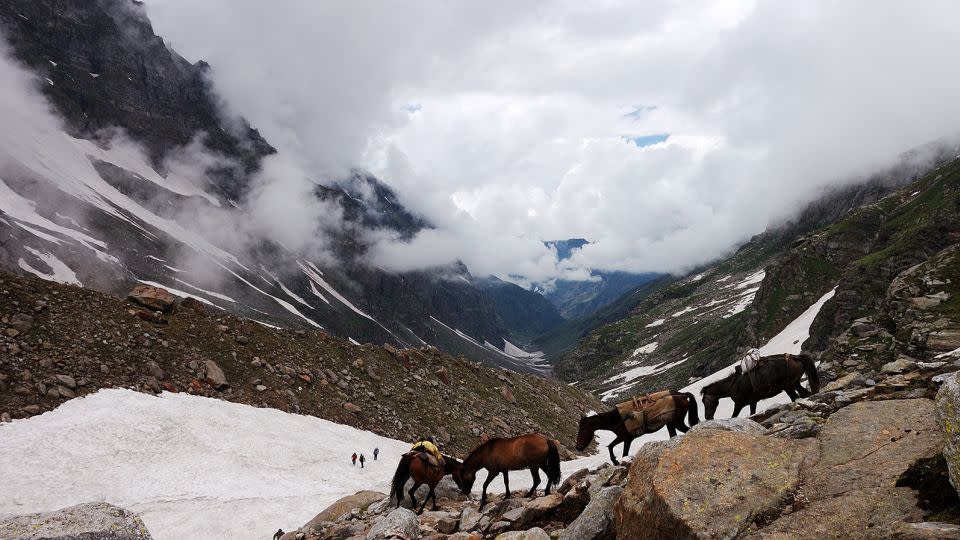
point(596, 522)
point(153, 298)
point(361, 500)
point(711, 484)
point(870, 444)
point(90, 521)
point(215, 375)
point(948, 417)
point(851, 488)
point(944, 340)
point(401, 524)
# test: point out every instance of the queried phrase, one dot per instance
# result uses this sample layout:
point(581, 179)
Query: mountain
point(580, 299)
point(97, 194)
point(526, 313)
point(854, 240)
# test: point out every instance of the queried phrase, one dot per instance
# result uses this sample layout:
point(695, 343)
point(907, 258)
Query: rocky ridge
point(59, 342)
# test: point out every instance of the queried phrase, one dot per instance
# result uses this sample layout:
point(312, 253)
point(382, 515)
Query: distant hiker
point(362, 459)
point(278, 534)
point(376, 452)
point(354, 458)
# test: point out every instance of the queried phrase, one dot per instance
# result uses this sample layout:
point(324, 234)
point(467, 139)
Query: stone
point(469, 519)
point(443, 374)
point(193, 304)
point(944, 377)
point(90, 521)
point(740, 425)
point(21, 322)
point(709, 484)
point(943, 340)
point(900, 365)
point(66, 380)
point(924, 530)
point(948, 418)
point(66, 392)
point(154, 369)
point(507, 394)
point(870, 444)
point(447, 525)
point(350, 407)
point(840, 383)
point(535, 533)
point(596, 522)
point(5, 417)
point(31, 409)
point(361, 500)
point(215, 375)
point(154, 298)
point(398, 524)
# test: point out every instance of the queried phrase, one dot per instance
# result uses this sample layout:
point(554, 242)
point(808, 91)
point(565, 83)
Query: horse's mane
point(716, 384)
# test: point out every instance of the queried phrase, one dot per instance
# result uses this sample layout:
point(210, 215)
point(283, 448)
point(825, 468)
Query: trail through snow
point(197, 467)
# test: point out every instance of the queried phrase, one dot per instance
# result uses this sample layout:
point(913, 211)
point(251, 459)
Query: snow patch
point(646, 349)
point(657, 322)
point(61, 272)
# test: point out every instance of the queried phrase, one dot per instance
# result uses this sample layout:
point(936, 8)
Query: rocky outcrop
point(597, 521)
point(91, 521)
point(698, 489)
point(948, 418)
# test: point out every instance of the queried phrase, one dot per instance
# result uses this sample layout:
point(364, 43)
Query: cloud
point(504, 123)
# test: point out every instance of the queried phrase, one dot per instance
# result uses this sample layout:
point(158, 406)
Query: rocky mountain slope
point(58, 342)
point(104, 195)
point(855, 239)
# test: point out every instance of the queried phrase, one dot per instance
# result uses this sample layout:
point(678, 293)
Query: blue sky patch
point(646, 140)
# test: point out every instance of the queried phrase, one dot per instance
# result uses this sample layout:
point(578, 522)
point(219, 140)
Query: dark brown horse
point(532, 451)
point(416, 465)
point(684, 403)
point(774, 374)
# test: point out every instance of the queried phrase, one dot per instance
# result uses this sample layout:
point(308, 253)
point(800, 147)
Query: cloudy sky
point(665, 132)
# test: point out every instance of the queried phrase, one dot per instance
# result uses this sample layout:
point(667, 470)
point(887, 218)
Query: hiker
point(354, 458)
point(376, 452)
point(278, 534)
point(362, 459)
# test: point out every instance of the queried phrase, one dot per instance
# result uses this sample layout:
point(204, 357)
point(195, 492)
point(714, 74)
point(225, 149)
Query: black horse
point(684, 403)
point(773, 374)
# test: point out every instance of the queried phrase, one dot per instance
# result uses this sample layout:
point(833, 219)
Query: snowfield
point(197, 467)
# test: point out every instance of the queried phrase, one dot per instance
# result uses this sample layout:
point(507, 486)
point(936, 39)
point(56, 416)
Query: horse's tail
point(553, 464)
point(810, 367)
point(400, 477)
point(693, 416)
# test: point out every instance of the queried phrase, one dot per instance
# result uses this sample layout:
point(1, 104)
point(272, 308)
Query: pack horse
point(640, 415)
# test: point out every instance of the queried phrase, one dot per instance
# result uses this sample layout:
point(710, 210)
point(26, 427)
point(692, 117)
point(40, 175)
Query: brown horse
point(684, 403)
point(532, 451)
point(774, 374)
point(416, 465)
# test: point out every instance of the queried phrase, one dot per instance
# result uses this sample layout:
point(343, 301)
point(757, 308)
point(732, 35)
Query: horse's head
point(710, 403)
point(584, 434)
point(464, 478)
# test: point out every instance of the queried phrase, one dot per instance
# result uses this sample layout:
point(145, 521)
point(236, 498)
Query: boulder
point(89, 521)
point(740, 425)
point(360, 499)
point(535, 533)
point(215, 376)
point(900, 365)
point(944, 340)
point(924, 530)
point(21, 322)
point(152, 297)
point(350, 407)
point(400, 524)
point(710, 484)
point(948, 418)
point(469, 519)
point(596, 522)
point(193, 304)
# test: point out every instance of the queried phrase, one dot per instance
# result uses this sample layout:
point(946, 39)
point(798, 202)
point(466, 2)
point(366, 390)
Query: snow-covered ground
point(196, 467)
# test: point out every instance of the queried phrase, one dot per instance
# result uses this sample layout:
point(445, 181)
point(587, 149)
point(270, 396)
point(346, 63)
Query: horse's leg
point(506, 484)
point(801, 391)
point(736, 409)
point(753, 408)
point(626, 446)
point(483, 496)
point(671, 430)
point(610, 448)
point(413, 497)
point(534, 471)
point(432, 495)
point(792, 393)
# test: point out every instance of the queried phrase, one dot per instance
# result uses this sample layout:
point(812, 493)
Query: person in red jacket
point(354, 459)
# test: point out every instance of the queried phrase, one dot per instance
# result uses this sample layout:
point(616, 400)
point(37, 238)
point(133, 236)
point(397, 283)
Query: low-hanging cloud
point(509, 124)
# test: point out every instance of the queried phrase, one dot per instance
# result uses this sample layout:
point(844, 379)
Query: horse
point(501, 455)
point(417, 465)
point(771, 376)
point(684, 404)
